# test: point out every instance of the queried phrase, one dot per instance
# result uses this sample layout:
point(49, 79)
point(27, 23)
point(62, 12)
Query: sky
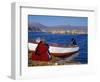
point(58, 20)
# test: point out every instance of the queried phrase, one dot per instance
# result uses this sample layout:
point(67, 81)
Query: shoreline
point(55, 61)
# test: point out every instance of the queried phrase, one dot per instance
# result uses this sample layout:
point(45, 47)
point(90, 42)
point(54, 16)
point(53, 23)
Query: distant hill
point(33, 26)
point(37, 27)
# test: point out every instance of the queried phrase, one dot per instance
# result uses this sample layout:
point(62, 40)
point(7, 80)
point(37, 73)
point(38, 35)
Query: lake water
point(81, 39)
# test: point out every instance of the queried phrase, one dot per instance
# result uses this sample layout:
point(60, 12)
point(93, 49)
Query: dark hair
point(72, 38)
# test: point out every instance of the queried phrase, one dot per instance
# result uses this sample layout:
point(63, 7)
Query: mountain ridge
point(38, 27)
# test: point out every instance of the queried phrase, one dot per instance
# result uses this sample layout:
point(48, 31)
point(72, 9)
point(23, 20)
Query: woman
point(42, 52)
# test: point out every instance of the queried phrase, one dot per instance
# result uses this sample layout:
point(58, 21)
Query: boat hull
point(57, 51)
point(63, 54)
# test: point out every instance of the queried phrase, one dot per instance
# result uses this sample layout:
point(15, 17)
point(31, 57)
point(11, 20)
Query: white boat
point(57, 50)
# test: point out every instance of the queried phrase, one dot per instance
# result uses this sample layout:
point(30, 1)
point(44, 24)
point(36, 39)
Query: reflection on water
point(71, 57)
point(68, 59)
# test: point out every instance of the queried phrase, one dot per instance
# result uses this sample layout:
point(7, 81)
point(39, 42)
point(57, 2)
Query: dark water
point(65, 39)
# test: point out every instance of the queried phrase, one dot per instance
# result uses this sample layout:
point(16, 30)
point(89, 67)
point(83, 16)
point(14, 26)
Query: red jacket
point(41, 53)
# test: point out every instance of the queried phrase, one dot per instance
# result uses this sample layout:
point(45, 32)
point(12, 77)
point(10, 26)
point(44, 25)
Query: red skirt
point(41, 57)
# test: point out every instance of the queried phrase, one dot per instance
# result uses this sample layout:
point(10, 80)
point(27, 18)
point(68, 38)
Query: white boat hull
point(57, 51)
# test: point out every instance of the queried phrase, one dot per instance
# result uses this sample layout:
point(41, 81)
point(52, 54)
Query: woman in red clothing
point(42, 52)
